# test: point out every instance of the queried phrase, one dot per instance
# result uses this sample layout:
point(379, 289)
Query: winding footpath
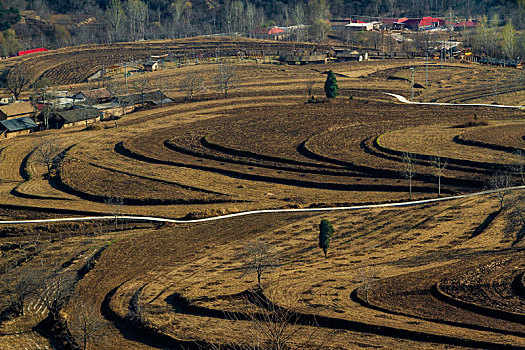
point(404, 100)
point(264, 211)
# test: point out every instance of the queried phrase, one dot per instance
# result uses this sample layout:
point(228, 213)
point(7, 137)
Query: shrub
point(474, 121)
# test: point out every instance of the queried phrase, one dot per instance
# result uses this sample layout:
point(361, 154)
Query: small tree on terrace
point(310, 86)
point(330, 85)
point(192, 84)
point(87, 326)
point(500, 184)
point(258, 258)
point(46, 152)
point(519, 167)
point(407, 170)
point(439, 165)
point(325, 235)
point(226, 78)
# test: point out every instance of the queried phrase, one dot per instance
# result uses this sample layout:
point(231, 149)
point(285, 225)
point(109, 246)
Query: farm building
point(94, 96)
point(73, 117)
point(339, 23)
point(465, 25)
point(424, 23)
point(389, 23)
point(151, 66)
point(360, 26)
point(156, 97)
point(274, 33)
point(16, 110)
point(16, 127)
point(342, 55)
point(113, 109)
point(304, 57)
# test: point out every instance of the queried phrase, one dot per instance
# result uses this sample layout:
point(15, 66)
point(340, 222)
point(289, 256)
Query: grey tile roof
point(18, 124)
point(138, 98)
point(79, 114)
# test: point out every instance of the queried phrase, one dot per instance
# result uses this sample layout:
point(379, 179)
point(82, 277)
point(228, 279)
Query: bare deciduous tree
point(519, 167)
point(87, 326)
point(367, 277)
point(142, 85)
point(226, 78)
point(115, 205)
point(52, 290)
point(500, 183)
point(16, 80)
point(18, 284)
point(310, 86)
point(46, 152)
point(116, 17)
point(407, 170)
point(192, 84)
point(439, 165)
point(258, 258)
point(276, 324)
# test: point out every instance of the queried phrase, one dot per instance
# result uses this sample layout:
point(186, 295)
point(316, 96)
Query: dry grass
point(266, 148)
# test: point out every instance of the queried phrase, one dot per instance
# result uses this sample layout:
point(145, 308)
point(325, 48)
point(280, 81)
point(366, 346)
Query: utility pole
point(412, 69)
point(126, 75)
point(426, 72)
point(441, 54)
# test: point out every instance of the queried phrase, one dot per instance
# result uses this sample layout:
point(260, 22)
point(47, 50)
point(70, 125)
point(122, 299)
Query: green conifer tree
point(330, 85)
point(325, 235)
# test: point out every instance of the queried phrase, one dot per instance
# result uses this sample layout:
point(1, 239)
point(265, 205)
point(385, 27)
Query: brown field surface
point(428, 276)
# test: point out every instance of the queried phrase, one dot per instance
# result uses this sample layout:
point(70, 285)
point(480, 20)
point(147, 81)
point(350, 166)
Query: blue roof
point(18, 124)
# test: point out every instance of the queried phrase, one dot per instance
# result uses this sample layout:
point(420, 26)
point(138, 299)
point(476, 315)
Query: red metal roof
point(389, 21)
point(275, 30)
point(26, 52)
point(468, 24)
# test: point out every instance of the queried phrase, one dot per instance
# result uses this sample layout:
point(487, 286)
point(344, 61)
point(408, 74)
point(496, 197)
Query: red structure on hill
point(27, 52)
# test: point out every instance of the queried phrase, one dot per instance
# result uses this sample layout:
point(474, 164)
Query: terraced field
point(441, 275)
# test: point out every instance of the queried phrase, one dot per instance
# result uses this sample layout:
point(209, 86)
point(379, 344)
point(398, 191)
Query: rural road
point(404, 100)
point(265, 211)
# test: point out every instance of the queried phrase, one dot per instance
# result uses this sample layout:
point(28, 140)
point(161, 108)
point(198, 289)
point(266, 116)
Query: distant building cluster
point(404, 23)
point(62, 109)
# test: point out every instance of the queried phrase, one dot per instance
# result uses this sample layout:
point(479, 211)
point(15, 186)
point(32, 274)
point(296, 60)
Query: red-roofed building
point(419, 23)
point(275, 30)
point(465, 25)
point(389, 22)
point(275, 33)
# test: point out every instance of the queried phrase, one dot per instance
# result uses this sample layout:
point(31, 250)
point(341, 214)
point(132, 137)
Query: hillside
point(431, 275)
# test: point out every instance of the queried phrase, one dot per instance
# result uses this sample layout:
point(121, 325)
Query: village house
point(155, 97)
point(94, 96)
point(124, 104)
point(16, 110)
point(417, 24)
point(300, 57)
point(273, 33)
point(339, 23)
point(16, 127)
point(55, 100)
point(342, 55)
point(151, 66)
point(81, 115)
point(465, 25)
point(113, 109)
point(361, 26)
